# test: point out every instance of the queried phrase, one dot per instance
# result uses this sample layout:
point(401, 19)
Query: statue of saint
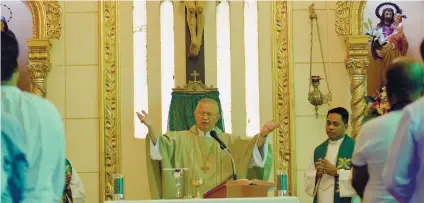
point(387, 42)
point(196, 23)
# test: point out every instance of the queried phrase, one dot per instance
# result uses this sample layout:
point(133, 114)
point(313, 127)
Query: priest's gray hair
point(208, 101)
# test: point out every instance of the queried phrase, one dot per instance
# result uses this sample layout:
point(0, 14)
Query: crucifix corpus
point(196, 23)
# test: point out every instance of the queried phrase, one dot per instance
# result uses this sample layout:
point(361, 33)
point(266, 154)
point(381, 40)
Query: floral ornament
point(344, 163)
point(68, 170)
point(378, 104)
point(374, 34)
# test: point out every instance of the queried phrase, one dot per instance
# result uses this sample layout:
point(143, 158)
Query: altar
point(226, 200)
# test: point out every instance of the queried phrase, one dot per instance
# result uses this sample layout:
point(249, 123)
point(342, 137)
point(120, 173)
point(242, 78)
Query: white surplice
point(258, 157)
point(77, 188)
point(325, 190)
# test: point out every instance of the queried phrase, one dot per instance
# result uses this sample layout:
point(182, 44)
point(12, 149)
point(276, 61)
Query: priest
point(328, 177)
point(197, 152)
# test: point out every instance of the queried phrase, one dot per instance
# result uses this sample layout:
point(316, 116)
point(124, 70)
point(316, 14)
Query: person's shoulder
point(176, 133)
point(382, 122)
point(38, 102)
point(36, 99)
point(416, 109)
point(348, 138)
point(322, 144)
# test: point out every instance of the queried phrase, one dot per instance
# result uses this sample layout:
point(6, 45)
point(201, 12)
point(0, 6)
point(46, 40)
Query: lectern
point(239, 189)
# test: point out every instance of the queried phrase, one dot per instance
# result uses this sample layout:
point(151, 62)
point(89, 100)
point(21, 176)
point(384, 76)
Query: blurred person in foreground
point(405, 78)
point(43, 130)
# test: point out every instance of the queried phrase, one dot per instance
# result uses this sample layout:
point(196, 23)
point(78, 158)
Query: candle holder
point(315, 96)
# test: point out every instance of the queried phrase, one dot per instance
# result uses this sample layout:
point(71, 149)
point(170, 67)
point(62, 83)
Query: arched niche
point(21, 26)
point(349, 18)
point(46, 26)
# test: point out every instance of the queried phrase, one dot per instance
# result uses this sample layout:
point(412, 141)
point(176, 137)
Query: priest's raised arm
point(196, 150)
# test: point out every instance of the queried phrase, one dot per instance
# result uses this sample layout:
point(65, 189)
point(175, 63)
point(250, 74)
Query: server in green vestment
point(67, 193)
point(328, 177)
point(196, 150)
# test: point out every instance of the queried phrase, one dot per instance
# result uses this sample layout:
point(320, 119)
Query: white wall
point(21, 26)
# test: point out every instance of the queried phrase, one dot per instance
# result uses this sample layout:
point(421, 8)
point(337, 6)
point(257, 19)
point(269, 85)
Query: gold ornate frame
point(110, 152)
point(349, 17)
point(281, 73)
point(46, 26)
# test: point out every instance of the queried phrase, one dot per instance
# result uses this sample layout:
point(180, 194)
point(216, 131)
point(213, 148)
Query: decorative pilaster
point(357, 63)
point(39, 65)
point(281, 54)
point(110, 142)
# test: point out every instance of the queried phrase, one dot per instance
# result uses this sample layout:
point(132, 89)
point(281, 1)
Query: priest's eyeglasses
point(203, 114)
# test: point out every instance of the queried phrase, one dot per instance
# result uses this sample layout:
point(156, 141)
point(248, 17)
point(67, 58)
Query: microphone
point(224, 147)
point(221, 143)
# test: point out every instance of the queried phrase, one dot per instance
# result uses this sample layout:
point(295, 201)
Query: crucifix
point(194, 75)
point(195, 23)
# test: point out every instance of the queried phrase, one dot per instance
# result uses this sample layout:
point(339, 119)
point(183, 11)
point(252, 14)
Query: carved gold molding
point(46, 19)
point(283, 159)
point(39, 65)
point(109, 100)
point(342, 18)
point(349, 17)
point(46, 26)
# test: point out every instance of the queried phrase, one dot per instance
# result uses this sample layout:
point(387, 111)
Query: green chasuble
point(204, 159)
point(67, 194)
point(344, 158)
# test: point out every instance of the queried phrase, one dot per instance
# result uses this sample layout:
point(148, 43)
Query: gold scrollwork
point(46, 19)
point(46, 26)
point(39, 65)
point(110, 111)
point(349, 15)
point(54, 28)
point(281, 84)
point(342, 18)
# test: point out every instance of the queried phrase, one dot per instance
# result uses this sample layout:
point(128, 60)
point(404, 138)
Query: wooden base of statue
point(240, 189)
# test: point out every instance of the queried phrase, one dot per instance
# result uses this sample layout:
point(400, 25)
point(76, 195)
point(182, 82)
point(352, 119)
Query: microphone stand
point(223, 147)
point(232, 161)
